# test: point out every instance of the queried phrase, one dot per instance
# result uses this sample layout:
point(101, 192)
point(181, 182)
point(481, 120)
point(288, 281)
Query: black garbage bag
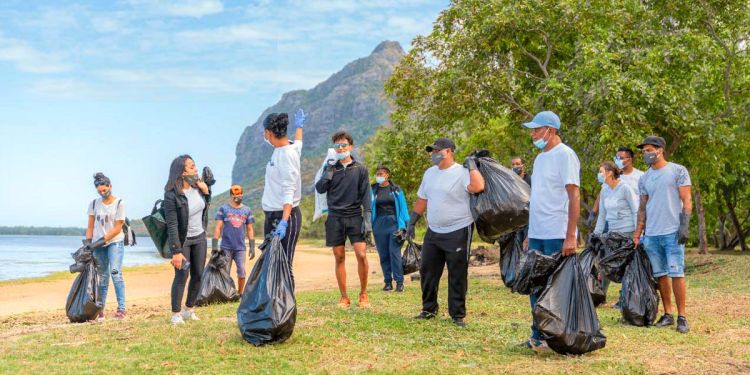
point(217, 285)
point(84, 303)
point(82, 257)
point(412, 257)
point(511, 247)
point(589, 261)
point(503, 206)
point(156, 226)
point(534, 268)
point(615, 253)
point(268, 310)
point(640, 301)
point(565, 314)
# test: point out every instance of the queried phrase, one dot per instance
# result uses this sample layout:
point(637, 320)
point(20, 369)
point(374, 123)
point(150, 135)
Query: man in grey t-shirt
point(664, 213)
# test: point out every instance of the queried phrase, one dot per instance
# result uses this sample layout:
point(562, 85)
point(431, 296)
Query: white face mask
point(267, 141)
point(379, 179)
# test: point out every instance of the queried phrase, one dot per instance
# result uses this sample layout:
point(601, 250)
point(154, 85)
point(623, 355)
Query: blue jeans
point(389, 248)
point(109, 262)
point(667, 256)
point(546, 247)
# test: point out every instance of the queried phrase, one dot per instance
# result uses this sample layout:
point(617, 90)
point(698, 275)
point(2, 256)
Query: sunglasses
point(340, 145)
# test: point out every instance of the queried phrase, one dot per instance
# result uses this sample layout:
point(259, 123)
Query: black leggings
point(289, 243)
point(194, 250)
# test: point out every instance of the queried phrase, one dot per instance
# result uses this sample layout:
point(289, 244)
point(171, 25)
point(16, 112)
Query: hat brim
point(642, 145)
point(431, 148)
point(532, 125)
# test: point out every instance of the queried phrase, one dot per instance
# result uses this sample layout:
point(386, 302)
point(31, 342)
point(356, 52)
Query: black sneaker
point(524, 345)
point(682, 326)
point(399, 288)
point(666, 320)
point(459, 322)
point(425, 315)
point(388, 287)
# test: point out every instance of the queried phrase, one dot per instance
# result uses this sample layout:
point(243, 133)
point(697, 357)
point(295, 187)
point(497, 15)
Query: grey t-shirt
point(618, 208)
point(196, 204)
point(664, 205)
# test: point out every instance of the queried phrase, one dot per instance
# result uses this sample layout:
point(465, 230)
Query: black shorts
point(339, 228)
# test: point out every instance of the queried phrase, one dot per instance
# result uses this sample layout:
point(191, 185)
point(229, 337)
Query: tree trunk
point(702, 238)
point(735, 222)
point(721, 241)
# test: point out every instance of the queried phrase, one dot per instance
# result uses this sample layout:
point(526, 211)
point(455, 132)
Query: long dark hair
point(174, 182)
point(611, 167)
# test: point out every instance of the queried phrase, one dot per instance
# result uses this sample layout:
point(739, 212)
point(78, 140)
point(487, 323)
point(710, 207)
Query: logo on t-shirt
point(237, 220)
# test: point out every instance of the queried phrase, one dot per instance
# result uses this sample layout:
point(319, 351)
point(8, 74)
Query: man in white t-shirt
point(444, 194)
point(554, 205)
point(282, 192)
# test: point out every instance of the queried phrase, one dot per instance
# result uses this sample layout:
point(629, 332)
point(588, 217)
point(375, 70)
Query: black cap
point(441, 144)
point(653, 141)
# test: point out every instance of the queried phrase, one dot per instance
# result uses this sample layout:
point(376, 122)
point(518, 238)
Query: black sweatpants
point(289, 243)
point(438, 250)
point(194, 250)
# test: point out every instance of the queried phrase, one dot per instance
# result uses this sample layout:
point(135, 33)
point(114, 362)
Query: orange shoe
point(344, 303)
point(364, 302)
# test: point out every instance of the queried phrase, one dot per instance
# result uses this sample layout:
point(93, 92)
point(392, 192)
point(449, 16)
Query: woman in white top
point(106, 218)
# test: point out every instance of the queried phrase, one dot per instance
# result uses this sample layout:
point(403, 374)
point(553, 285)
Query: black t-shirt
point(526, 177)
point(385, 204)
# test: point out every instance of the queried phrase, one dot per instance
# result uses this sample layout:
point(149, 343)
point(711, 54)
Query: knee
point(116, 274)
point(340, 258)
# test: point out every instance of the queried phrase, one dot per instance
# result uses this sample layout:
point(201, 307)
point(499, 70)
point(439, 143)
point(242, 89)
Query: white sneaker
point(177, 319)
point(189, 315)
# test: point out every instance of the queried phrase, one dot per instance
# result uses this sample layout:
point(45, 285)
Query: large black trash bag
point(640, 301)
point(534, 269)
point(511, 247)
point(503, 206)
point(217, 285)
point(268, 310)
point(412, 257)
point(615, 253)
point(84, 303)
point(589, 261)
point(565, 313)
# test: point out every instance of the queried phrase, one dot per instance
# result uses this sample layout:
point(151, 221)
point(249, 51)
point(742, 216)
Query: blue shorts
point(666, 255)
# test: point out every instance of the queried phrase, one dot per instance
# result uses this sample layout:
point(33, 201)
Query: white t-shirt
point(196, 205)
point(283, 178)
point(447, 195)
point(548, 210)
point(632, 179)
point(105, 216)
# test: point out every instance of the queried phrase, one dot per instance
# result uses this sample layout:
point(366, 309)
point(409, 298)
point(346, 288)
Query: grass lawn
point(385, 339)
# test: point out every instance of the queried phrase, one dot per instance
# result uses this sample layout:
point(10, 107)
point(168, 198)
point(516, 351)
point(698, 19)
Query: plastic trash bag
point(565, 313)
point(84, 303)
point(156, 225)
point(511, 248)
point(615, 253)
point(217, 285)
point(321, 200)
point(503, 206)
point(589, 261)
point(268, 310)
point(534, 269)
point(640, 301)
point(82, 257)
point(412, 257)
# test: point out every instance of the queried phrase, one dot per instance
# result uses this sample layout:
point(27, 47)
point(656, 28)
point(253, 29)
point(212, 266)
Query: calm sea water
point(33, 256)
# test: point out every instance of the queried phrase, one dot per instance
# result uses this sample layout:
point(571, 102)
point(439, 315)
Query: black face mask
point(106, 194)
point(518, 170)
point(237, 200)
point(191, 179)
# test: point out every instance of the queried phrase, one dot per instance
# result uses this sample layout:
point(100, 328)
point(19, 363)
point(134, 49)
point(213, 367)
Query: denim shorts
point(666, 255)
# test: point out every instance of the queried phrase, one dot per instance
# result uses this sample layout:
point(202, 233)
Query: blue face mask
point(541, 143)
point(379, 179)
point(343, 155)
point(600, 178)
point(619, 163)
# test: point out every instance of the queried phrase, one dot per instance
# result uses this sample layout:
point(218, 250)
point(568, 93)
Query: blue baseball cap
point(545, 118)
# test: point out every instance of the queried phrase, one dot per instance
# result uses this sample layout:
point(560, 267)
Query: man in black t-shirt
point(519, 166)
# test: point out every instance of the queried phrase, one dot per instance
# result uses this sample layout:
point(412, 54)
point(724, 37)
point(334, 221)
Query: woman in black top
point(390, 214)
point(186, 200)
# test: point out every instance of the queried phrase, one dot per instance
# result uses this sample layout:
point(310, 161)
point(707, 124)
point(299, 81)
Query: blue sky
point(124, 86)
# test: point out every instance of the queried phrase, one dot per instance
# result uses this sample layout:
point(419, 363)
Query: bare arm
point(476, 182)
point(90, 228)
point(298, 135)
point(574, 210)
point(219, 228)
point(420, 206)
point(641, 223)
point(687, 199)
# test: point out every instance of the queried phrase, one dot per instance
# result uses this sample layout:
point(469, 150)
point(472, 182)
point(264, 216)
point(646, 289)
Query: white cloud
point(231, 34)
point(180, 8)
point(63, 88)
point(28, 59)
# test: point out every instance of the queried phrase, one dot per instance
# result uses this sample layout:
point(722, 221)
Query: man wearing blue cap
point(554, 205)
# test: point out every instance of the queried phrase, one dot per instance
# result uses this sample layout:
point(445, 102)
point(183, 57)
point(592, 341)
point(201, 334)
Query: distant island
point(43, 231)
